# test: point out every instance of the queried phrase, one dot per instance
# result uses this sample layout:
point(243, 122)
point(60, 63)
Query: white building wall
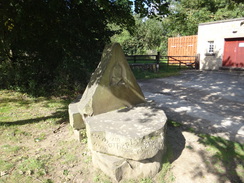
point(217, 31)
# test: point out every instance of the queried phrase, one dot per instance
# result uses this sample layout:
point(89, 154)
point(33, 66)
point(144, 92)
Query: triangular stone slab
point(112, 86)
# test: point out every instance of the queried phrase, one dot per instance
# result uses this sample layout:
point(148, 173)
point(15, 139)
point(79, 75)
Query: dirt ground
point(192, 161)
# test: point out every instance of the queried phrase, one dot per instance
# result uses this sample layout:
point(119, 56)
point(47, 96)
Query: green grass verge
point(164, 71)
point(227, 157)
point(25, 122)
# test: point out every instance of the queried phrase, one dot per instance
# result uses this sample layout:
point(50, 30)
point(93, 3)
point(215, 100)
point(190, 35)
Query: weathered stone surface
point(119, 168)
point(77, 135)
point(125, 133)
point(75, 118)
point(133, 133)
point(112, 85)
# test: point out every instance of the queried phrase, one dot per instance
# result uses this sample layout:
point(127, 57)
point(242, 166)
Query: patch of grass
point(192, 130)
point(48, 181)
point(128, 181)
point(13, 133)
point(88, 159)
point(146, 180)
point(139, 180)
point(66, 172)
point(173, 123)
point(5, 165)
point(165, 71)
point(69, 158)
point(227, 157)
point(223, 149)
point(22, 116)
point(10, 149)
point(32, 166)
point(189, 147)
point(101, 177)
point(17, 108)
point(66, 154)
point(24, 121)
point(41, 137)
point(166, 176)
point(16, 177)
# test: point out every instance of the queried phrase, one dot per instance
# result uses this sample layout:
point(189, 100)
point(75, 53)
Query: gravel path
point(208, 101)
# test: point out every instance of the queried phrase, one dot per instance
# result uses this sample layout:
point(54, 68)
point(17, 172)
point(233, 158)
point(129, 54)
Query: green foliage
point(147, 36)
point(173, 123)
point(52, 46)
point(183, 18)
point(163, 72)
point(152, 8)
point(186, 15)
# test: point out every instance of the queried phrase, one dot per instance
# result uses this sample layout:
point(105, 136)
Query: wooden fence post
point(158, 57)
point(197, 61)
point(157, 61)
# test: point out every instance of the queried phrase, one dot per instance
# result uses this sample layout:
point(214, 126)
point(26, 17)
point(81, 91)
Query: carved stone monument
point(112, 86)
point(125, 133)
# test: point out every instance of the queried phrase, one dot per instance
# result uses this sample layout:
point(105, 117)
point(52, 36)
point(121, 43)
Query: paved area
point(208, 101)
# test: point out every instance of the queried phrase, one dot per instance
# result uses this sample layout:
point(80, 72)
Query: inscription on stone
point(131, 146)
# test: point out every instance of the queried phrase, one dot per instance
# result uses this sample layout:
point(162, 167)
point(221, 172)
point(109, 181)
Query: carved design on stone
point(117, 75)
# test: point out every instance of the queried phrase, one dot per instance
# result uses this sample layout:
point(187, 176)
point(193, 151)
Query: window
point(211, 47)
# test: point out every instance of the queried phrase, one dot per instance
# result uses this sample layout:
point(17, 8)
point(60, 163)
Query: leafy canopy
point(181, 19)
point(146, 37)
point(54, 45)
point(185, 15)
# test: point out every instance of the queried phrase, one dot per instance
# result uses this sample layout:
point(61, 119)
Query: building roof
point(222, 21)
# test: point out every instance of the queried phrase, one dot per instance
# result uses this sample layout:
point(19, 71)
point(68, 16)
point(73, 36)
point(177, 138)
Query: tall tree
point(50, 45)
point(147, 36)
point(186, 15)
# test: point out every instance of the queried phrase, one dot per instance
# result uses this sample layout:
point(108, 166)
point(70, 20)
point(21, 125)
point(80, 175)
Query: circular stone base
point(119, 168)
point(132, 133)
